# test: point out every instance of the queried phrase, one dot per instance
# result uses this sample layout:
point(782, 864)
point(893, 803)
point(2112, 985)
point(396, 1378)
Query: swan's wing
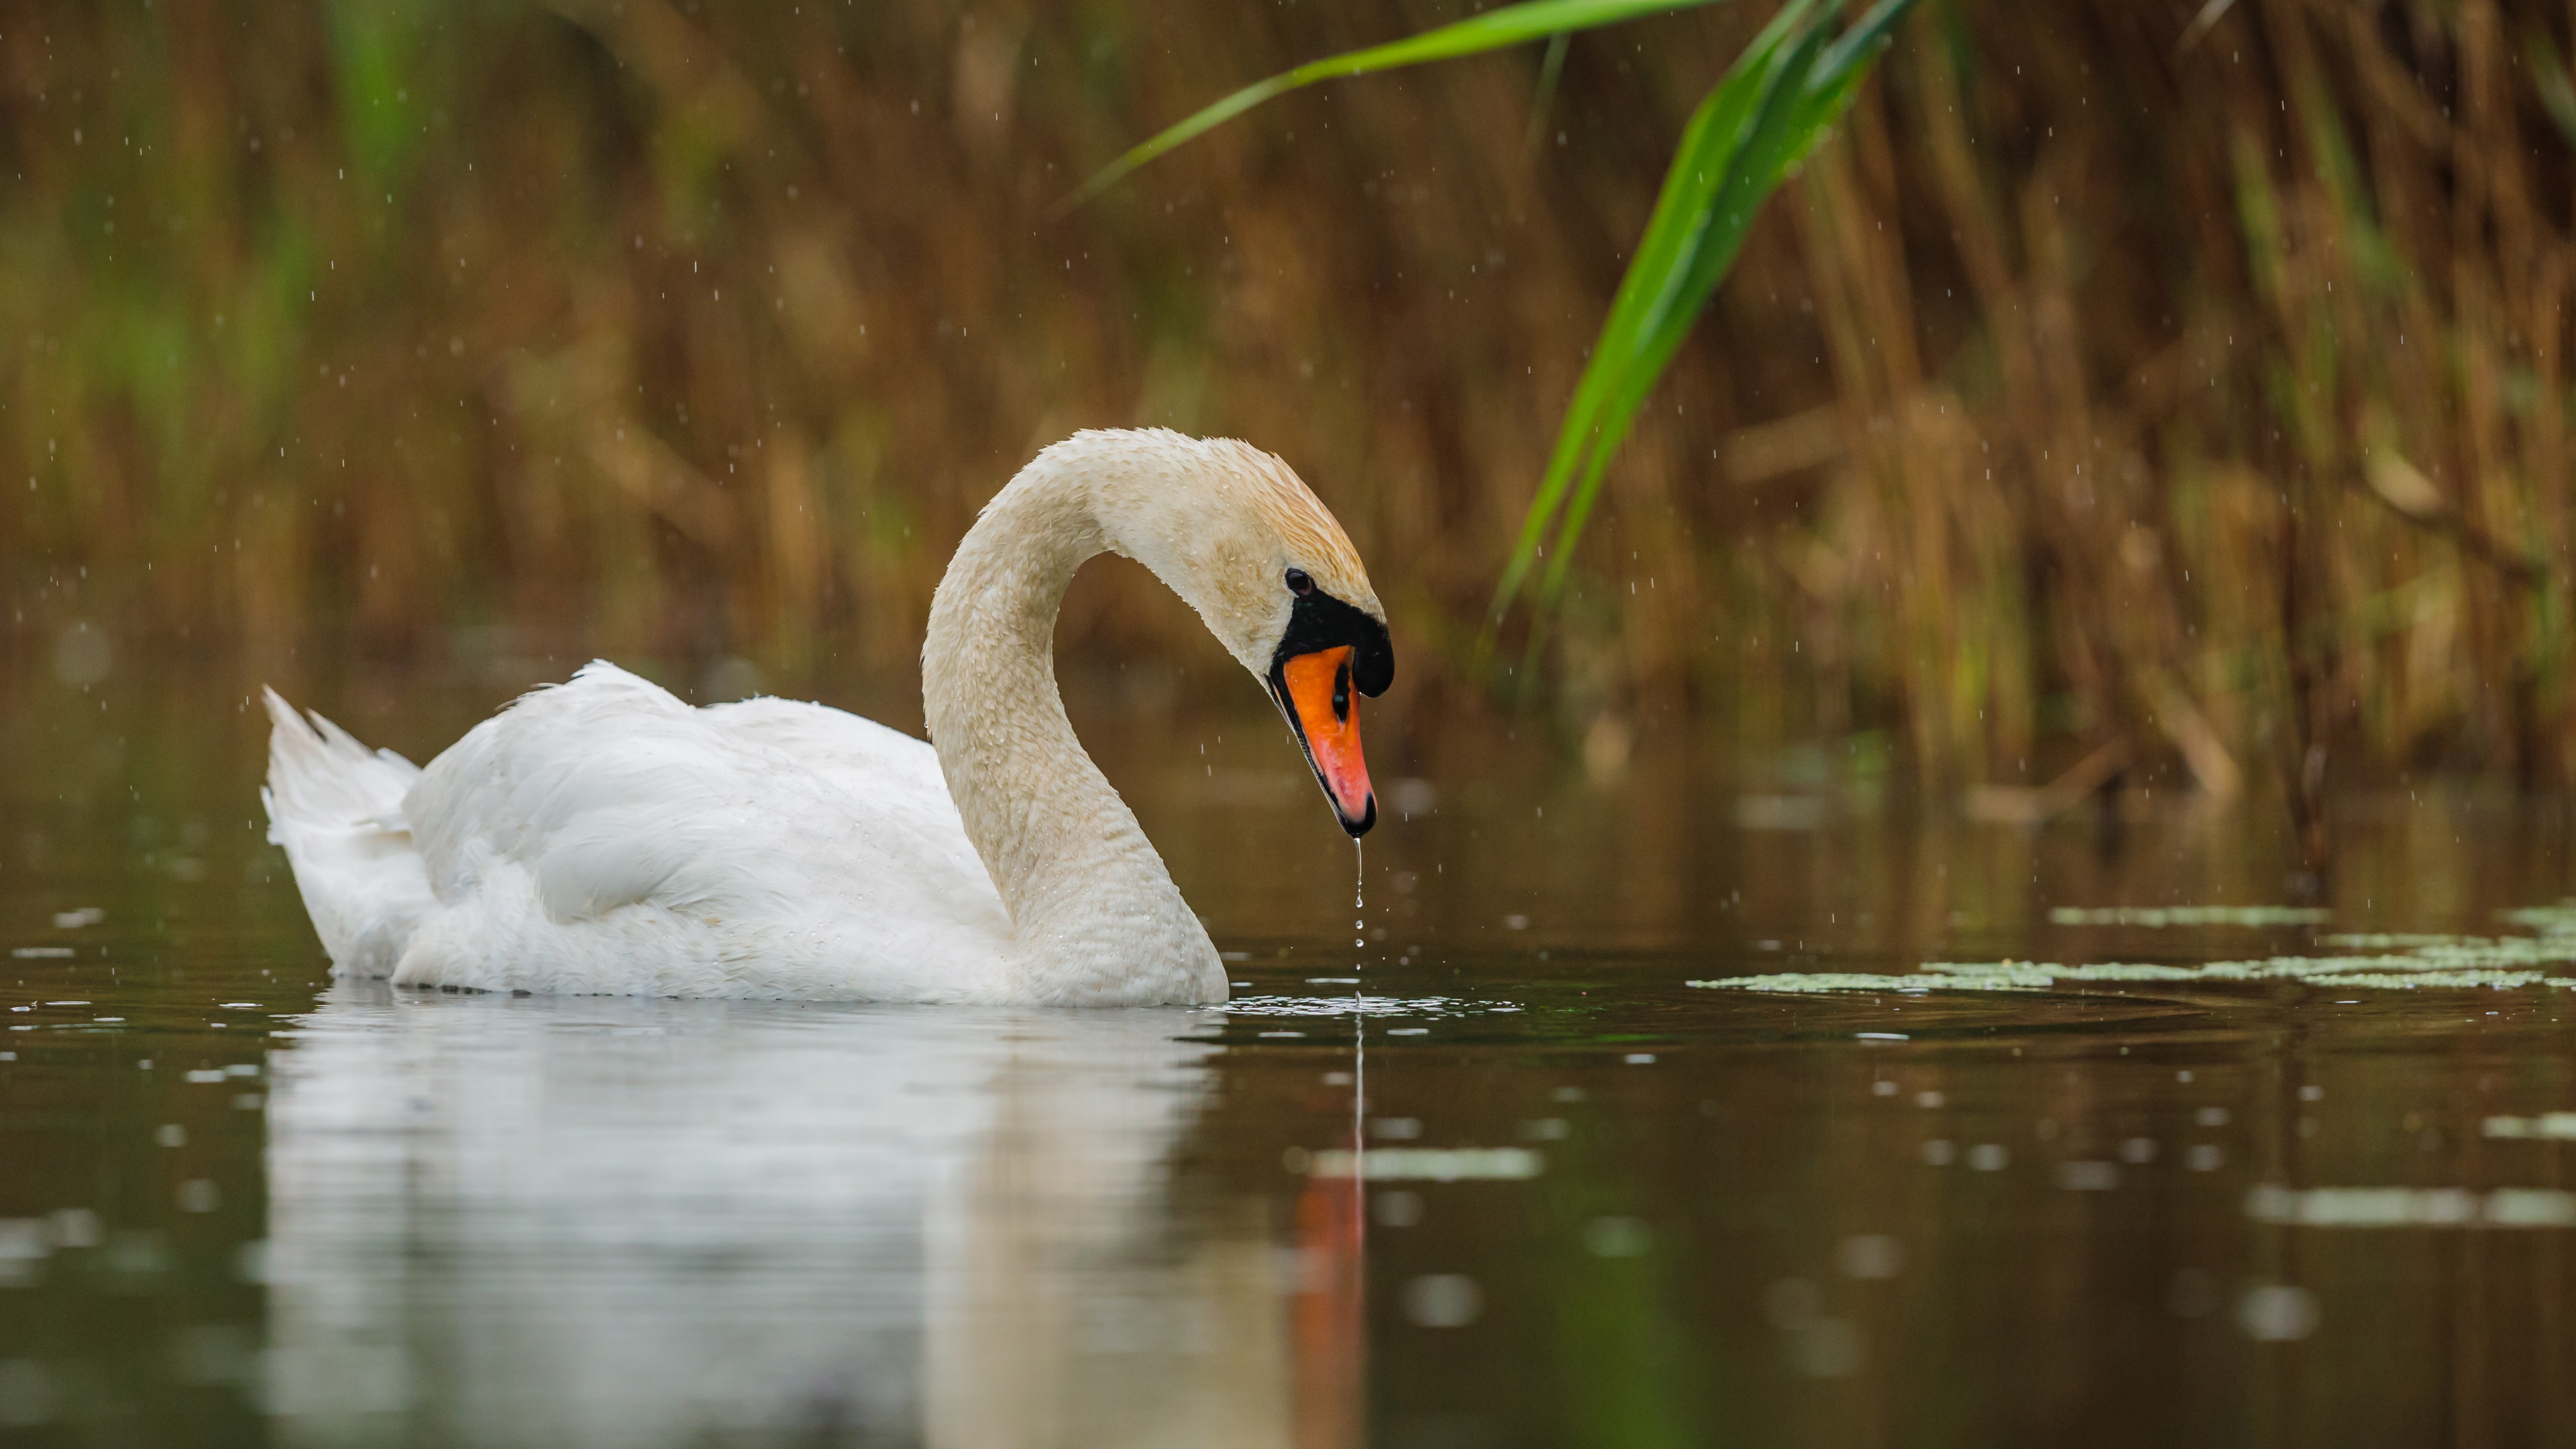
point(860, 755)
point(885, 772)
point(602, 836)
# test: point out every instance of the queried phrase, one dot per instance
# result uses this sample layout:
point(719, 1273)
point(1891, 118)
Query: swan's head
point(1277, 581)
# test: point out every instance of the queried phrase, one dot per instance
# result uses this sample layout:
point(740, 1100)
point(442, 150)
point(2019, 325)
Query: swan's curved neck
point(1095, 912)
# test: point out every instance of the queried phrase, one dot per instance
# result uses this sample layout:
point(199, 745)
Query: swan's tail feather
point(318, 773)
point(337, 807)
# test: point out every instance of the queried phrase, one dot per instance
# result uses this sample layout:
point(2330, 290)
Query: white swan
point(602, 837)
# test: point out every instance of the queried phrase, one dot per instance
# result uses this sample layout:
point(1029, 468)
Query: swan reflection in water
point(576, 1221)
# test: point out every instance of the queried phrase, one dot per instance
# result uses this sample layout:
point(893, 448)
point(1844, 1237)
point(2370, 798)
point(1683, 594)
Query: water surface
point(1581, 1201)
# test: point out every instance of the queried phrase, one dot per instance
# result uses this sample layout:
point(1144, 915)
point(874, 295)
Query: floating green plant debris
point(2189, 916)
point(2471, 953)
point(2401, 961)
point(2453, 980)
point(2547, 1124)
point(1977, 973)
point(1815, 981)
point(2429, 963)
point(2557, 920)
point(1420, 1164)
point(2412, 1207)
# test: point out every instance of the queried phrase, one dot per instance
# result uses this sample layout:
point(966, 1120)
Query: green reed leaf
point(1700, 167)
point(1772, 108)
point(1493, 30)
point(1769, 139)
point(2549, 77)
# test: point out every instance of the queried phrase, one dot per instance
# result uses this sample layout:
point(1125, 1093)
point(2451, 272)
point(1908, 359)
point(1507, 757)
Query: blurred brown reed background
point(2170, 388)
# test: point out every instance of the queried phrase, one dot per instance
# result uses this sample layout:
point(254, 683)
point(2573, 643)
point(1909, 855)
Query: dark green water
point(240, 1204)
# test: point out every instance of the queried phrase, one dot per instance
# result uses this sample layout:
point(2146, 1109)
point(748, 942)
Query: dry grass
point(2091, 386)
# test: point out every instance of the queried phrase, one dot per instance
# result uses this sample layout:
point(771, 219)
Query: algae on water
point(2557, 920)
point(2384, 961)
point(2411, 1207)
point(2559, 1125)
point(2188, 916)
point(1825, 981)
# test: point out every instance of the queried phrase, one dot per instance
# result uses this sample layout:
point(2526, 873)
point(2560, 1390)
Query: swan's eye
point(1298, 583)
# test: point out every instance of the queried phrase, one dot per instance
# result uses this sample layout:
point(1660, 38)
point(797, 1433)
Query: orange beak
point(1315, 690)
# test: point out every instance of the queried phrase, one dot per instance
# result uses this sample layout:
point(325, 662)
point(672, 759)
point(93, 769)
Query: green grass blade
point(1493, 30)
point(1551, 71)
point(1793, 120)
point(1770, 140)
point(2549, 77)
point(1188, 130)
point(1700, 166)
point(1852, 52)
point(1789, 98)
point(1846, 64)
point(1664, 231)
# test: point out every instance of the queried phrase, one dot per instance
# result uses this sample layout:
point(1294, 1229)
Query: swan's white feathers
point(337, 808)
point(602, 836)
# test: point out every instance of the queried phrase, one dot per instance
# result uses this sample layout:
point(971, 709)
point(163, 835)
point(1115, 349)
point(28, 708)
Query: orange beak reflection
point(1316, 691)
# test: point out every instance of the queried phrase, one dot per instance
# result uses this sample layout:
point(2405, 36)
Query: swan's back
point(601, 836)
